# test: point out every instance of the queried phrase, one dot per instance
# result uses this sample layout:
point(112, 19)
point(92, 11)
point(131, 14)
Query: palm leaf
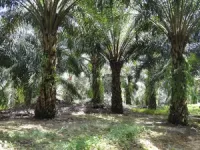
point(70, 88)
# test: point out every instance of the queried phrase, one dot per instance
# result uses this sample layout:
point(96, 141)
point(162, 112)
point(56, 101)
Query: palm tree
point(88, 41)
point(178, 19)
point(48, 16)
point(128, 86)
point(156, 61)
point(26, 60)
point(21, 56)
point(119, 45)
point(97, 63)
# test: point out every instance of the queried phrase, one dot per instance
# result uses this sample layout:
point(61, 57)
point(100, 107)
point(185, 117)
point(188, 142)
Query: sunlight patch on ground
point(104, 145)
point(140, 121)
point(145, 122)
point(147, 144)
point(149, 123)
point(4, 145)
point(78, 113)
point(155, 134)
point(106, 117)
point(32, 126)
point(11, 126)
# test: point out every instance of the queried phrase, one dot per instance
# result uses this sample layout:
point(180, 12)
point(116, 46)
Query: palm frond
point(70, 88)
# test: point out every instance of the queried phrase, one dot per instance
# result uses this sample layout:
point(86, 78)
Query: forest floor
point(83, 127)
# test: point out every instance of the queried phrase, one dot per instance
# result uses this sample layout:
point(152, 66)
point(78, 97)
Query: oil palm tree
point(91, 40)
point(85, 40)
point(178, 19)
point(26, 61)
point(21, 56)
point(47, 16)
point(118, 46)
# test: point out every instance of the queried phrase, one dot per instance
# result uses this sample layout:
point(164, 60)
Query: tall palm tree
point(178, 19)
point(48, 16)
point(87, 41)
point(119, 45)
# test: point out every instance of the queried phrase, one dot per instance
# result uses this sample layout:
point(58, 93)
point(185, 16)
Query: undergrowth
point(159, 111)
point(91, 135)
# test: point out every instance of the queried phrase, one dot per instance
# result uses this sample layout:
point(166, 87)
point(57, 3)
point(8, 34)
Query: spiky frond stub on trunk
point(178, 106)
point(45, 107)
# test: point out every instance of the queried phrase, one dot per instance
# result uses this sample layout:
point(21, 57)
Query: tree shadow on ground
point(166, 137)
point(80, 127)
point(72, 129)
point(93, 131)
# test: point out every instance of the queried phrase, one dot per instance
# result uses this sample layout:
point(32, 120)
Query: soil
point(158, 135)
point(164, 136)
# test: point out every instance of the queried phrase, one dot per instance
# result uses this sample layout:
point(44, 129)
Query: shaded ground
point(19, 129)
point(161, 135)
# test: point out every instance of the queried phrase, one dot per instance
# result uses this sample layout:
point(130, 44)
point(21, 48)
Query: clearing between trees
point(80, 127)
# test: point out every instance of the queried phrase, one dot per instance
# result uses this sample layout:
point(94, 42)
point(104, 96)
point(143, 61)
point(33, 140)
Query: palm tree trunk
point(28, 95)
point(152, 99)
point(150, 92)
point(116, 100)
point(96, 81)
point(178, 105)
point(45, 107)
point(128, 90)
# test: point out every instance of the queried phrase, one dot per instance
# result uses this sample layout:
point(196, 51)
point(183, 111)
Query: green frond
point(69, 87)
point(73, 65)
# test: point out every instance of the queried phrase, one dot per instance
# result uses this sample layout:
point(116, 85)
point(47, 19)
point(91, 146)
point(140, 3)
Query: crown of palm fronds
point(48, 15)
point(173, 16)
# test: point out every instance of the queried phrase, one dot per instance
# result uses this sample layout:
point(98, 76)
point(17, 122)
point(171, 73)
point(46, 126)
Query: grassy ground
point(87, 132)
point(74, 129)
point(193, 110)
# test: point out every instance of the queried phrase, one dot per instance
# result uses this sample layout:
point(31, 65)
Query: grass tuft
point(124, 134)
point(119, 136)
point(192, 108)
point(159, 111)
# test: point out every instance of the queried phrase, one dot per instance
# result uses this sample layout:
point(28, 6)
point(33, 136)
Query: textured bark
point(96, 81)
point(116, 99)
point(128, 90)
point(178, 106)
point(152, 99)
point(45, 107)
point(28, 96)
point(150, 93)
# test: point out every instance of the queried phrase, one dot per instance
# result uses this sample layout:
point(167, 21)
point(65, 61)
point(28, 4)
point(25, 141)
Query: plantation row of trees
point(41, 39)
